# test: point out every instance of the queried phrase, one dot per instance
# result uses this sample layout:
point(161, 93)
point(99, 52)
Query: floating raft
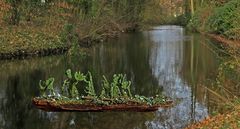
point(54, 106)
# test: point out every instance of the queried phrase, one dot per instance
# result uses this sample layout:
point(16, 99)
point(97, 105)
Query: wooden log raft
point(54, 106)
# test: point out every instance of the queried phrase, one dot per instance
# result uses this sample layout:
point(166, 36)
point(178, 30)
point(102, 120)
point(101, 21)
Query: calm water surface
point(165, 60)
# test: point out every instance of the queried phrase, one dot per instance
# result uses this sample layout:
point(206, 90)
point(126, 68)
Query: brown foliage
point(226, 121)
point(4, 8)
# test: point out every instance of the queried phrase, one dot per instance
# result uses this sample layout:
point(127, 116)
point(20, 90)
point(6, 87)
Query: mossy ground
point(28, 39)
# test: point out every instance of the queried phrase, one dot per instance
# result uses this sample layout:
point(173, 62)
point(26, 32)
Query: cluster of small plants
point(225, 20)
point(118, 91)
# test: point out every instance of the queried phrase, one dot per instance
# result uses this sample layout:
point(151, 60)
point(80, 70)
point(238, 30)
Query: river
point(165, 60)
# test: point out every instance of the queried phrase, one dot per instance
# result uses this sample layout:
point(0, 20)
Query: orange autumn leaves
point(224, 121)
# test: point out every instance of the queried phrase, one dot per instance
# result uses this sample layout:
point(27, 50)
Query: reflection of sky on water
point(166, 62)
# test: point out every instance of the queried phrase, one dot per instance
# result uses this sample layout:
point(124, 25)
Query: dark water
point(166, 59)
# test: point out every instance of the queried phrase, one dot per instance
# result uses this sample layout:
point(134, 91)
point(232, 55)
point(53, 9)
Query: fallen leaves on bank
point(222, 121)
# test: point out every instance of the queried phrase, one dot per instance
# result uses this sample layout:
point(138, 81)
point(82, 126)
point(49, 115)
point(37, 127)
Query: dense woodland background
point(31, 25)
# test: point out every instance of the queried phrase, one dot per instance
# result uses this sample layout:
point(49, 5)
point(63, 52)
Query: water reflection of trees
point(105, 120)
point(180, 63)
point(16, 106)
point(128, 55)
point(200, 66)
point(19, 83)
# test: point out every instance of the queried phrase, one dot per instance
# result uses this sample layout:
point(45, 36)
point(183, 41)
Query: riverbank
point(220, 21)
point(20, 42)
point(223, 40)
point(228, 72)
point(231, 118)
point(41, 29)
point(221, 121)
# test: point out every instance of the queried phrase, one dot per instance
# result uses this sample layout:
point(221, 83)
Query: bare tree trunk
point(192, 7)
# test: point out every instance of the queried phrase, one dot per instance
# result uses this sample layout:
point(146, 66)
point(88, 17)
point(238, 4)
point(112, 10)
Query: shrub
point(199, 19)
point(226, 20)
point(69, 37)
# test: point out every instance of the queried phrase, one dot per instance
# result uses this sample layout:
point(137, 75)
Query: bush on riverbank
point(223, 19)
point(199, 20)
point(226, 20)
point(32, 25)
